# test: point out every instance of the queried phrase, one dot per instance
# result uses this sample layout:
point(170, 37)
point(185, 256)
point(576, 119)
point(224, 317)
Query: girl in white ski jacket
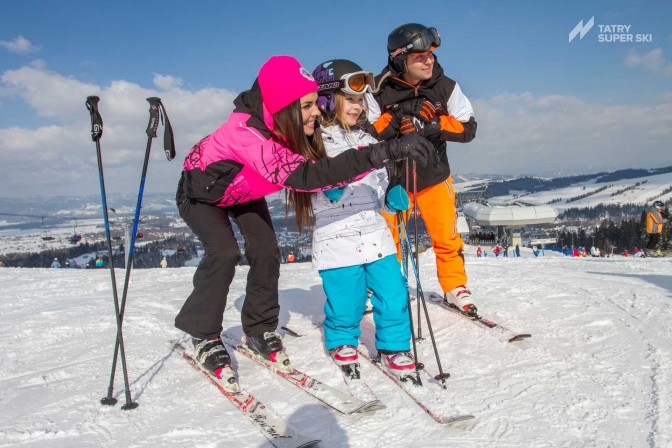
point(353, 249)
point(351, 231)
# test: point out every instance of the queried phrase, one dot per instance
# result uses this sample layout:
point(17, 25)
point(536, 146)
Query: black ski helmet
point(658, 204)
point(410, 38)
point(328, 75)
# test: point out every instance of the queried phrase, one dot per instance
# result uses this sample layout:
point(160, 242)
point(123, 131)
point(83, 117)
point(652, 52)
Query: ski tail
point(501, 332)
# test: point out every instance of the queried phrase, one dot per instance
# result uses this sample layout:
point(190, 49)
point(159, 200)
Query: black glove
point(432, 128)
point(416, 107)
point(427, 130)
point(413, 145)
point(407, 126)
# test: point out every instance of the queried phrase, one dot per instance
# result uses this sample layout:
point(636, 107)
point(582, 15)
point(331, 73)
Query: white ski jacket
point(351, 231)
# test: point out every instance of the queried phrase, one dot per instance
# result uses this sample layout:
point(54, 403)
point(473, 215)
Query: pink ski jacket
point(240, 162)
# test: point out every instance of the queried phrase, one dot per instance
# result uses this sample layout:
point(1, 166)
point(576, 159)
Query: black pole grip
point(153, 124)
point(96, 120)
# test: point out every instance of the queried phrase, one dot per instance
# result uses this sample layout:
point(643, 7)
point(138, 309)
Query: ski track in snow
point(596, 372)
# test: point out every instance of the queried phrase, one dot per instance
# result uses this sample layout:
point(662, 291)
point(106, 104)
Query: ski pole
point(415, 222)
point(406, 216)
point(400, 225)
point(156, 111)
point(96, 133)
point(421, 297)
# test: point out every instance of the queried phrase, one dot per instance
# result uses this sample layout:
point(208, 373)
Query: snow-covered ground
point(596, 373)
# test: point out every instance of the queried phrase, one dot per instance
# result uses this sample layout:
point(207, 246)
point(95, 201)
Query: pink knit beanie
point(282, 81)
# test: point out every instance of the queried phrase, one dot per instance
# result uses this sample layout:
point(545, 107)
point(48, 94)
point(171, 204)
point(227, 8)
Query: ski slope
point(596, 373)
point(640, 190)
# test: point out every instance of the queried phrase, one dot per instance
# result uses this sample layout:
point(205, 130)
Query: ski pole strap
point(157, 110)
point(96, 120)
point(168, 138)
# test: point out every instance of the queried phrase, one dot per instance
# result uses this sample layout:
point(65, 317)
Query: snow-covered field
point(596, 373)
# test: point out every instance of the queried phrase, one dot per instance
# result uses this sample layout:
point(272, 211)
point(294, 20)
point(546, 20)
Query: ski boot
point(460, 298)
point(345, 357)
point(212, 355)
point(400, 364)
point(269, 346)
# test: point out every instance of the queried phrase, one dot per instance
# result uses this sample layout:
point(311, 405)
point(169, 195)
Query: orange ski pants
point(436, 205)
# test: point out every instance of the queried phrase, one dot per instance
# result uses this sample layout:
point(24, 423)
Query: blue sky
point(545, 106)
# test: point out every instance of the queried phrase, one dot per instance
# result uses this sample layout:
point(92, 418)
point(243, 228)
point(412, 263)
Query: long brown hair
point(288, 128)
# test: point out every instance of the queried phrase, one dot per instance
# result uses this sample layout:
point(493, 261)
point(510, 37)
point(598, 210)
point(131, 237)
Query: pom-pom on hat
point(282, 81)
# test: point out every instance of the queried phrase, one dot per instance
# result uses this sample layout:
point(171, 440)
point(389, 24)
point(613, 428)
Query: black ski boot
point(269, 346)
point(212, 355)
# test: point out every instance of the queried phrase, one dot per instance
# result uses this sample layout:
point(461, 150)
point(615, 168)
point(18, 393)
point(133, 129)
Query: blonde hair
point(332, 118)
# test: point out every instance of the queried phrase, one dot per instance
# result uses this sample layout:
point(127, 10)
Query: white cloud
point(524, 134)
point(653, 61)
point(164, 82)
point(60, 158)
point(518, 133)
point(20, 45)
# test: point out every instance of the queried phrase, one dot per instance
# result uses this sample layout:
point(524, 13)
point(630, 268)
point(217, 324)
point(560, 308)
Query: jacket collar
point(250, 102)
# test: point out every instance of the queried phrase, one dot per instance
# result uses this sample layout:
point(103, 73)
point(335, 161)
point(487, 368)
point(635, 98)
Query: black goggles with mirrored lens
point(425, 40)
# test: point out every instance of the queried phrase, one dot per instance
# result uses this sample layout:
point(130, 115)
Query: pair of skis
point(275, 428)
point(334, 398)
point(359, 387)
point(272, 426)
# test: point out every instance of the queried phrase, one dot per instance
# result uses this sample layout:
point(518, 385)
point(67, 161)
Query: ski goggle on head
point(426, 40)
point(352, 83)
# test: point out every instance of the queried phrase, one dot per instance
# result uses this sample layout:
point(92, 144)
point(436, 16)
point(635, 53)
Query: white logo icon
point(581, 28)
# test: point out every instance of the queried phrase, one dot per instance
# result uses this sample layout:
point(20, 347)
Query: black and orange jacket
point(438, 90)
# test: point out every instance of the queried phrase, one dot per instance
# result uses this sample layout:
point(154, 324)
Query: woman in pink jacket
point(271, 141)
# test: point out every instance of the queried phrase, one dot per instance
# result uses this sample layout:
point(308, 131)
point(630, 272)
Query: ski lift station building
point(511, 217)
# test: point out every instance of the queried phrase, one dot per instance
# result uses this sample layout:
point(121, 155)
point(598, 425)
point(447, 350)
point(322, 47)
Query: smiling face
point(350, 108)
point(309, 113)
point(419, 67)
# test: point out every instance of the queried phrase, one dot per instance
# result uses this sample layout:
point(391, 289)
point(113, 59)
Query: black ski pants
point(653, 240)
point(202, 314)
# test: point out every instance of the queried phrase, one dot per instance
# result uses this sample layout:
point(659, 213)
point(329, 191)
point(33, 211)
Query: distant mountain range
point(41, 224)
point(632, 186)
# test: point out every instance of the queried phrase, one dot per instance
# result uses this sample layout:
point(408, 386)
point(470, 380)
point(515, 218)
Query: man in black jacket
point(414, 95)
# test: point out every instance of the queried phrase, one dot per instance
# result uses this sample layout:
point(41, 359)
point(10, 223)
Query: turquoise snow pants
point(346, 301)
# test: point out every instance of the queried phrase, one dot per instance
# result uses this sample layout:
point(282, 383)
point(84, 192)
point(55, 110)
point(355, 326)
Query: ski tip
point(520, 337)
point(175, 344)
point(456, 418)
point(309, 444)
point(291, 332)
point(371, 407)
